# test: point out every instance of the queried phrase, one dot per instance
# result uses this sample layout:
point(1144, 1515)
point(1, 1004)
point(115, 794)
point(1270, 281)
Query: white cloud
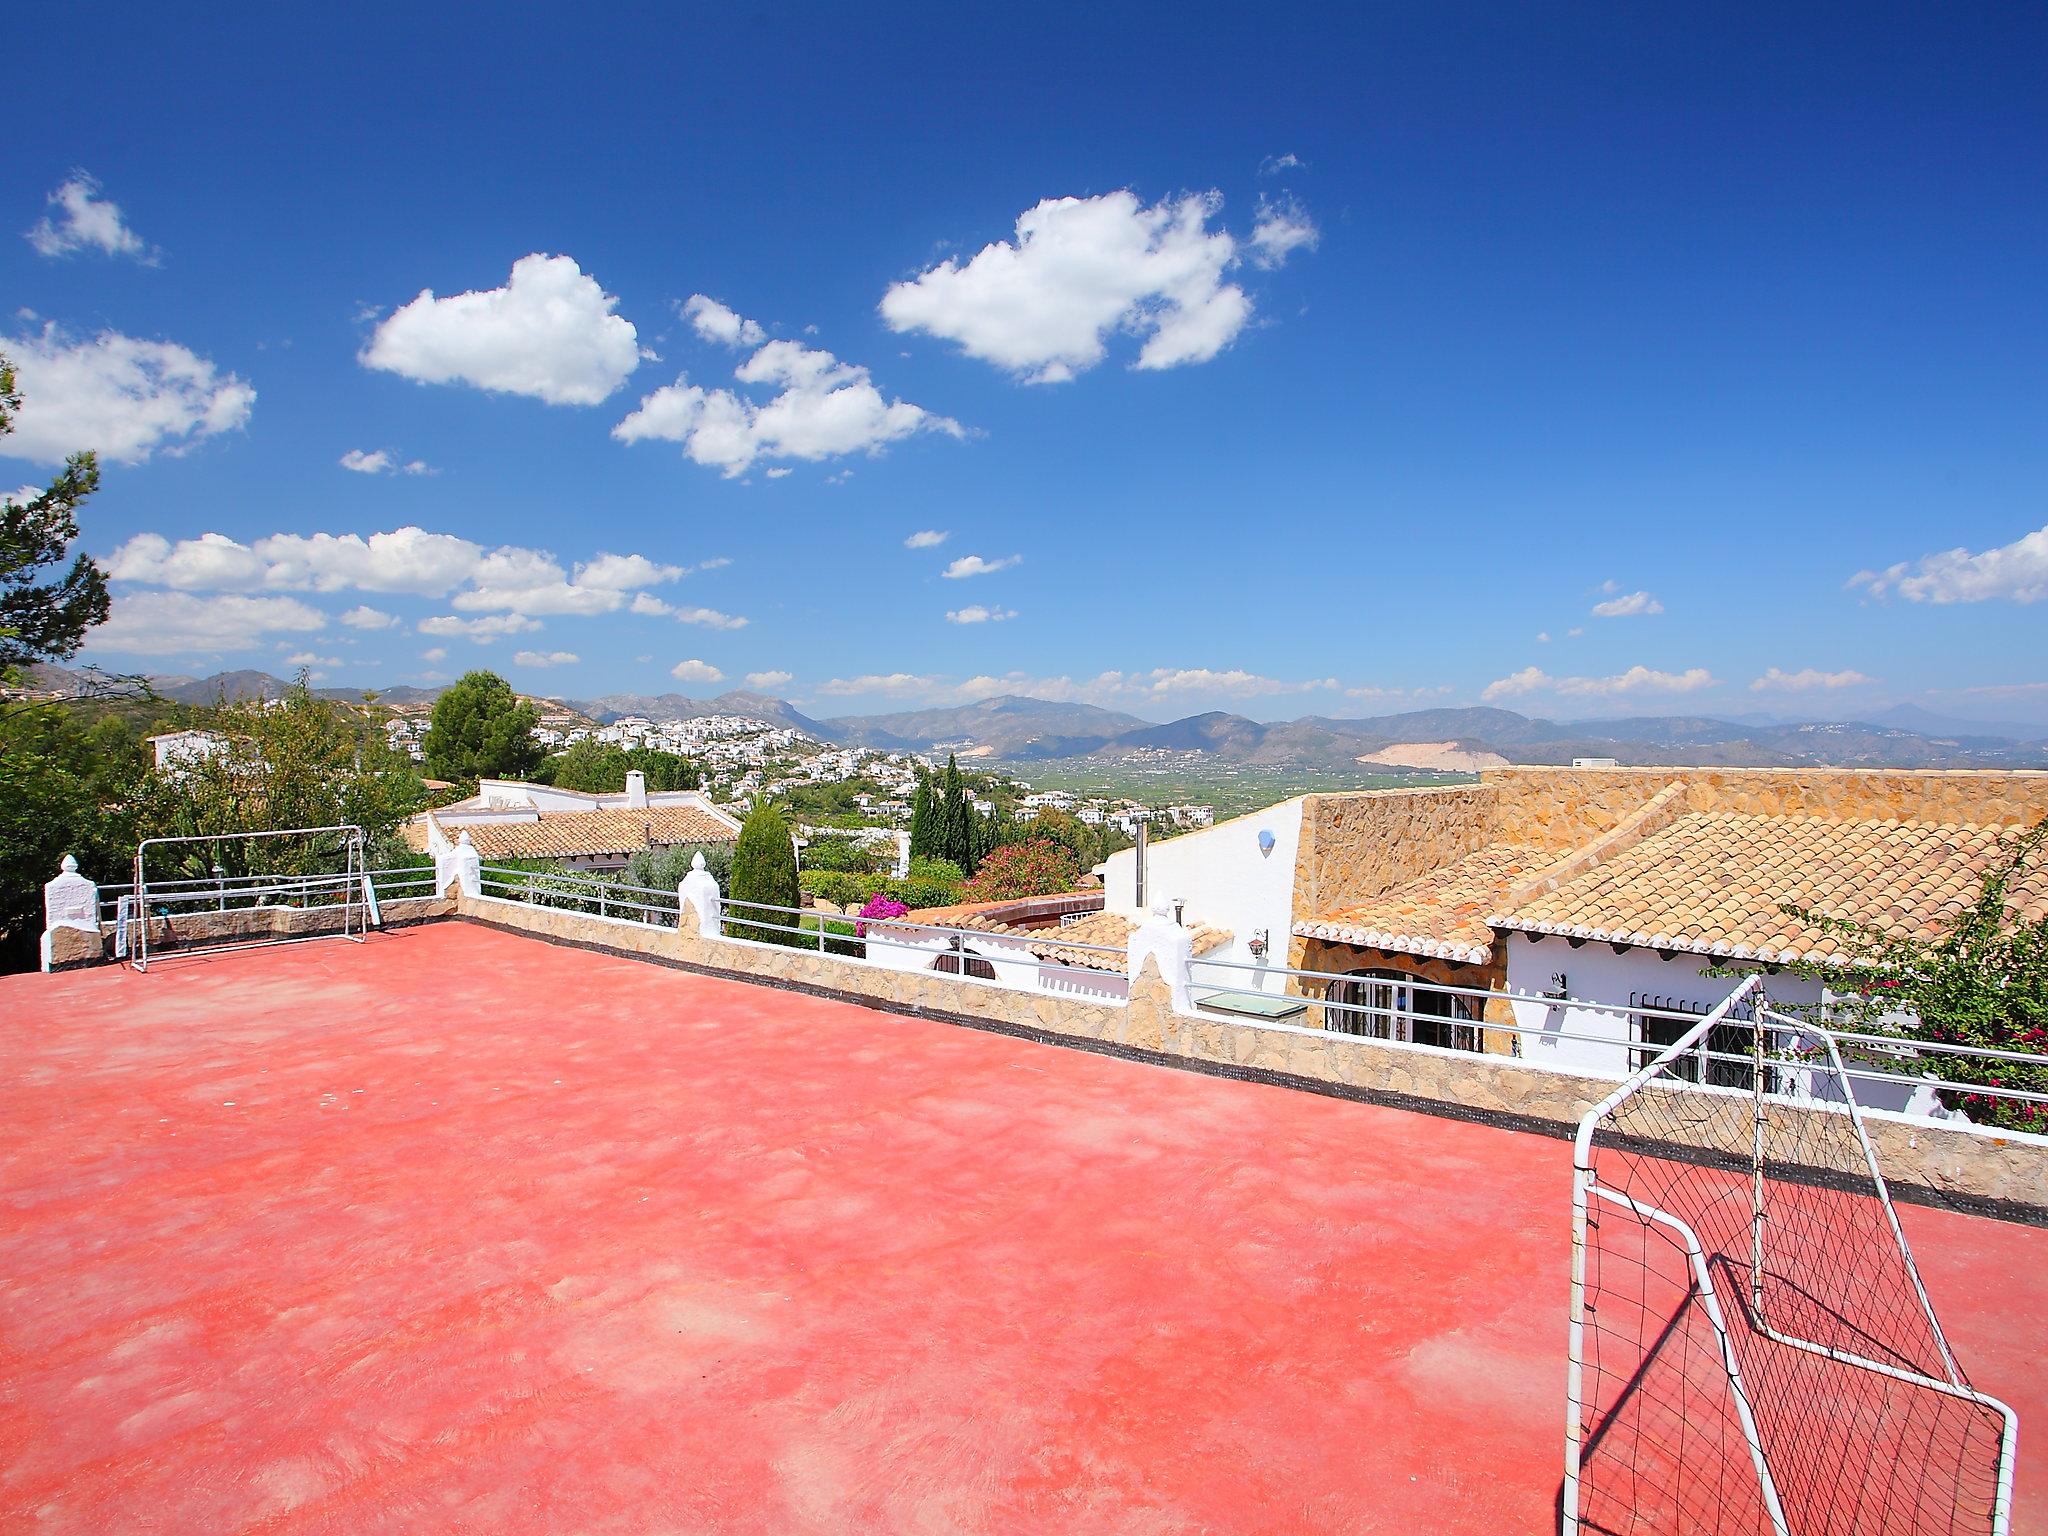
point(434, 653)
point(1158, 686)
point(1629, 605)
point(715, 563)
point(714, 322)
point(884, 684)
point(974, 565)
point(120, 396)
point(974, 613)
point(85, 220)
point(545, 658)
point(695, 671)
point(821, 408)
point(549, 333)
point(1283, 227)
point(483, 631)
point(1273, 165)
point(362, 616)
point(769, 679)
point(382, 461)
point(2016, 572)
point(407, 559)
point(778, 473)
point(927, 538)
point(1082, 268)
point(174, 623)
point(1777, 680)
point(1543, 637)
point(311, 659)
point(1635, 680)
point(710, 618)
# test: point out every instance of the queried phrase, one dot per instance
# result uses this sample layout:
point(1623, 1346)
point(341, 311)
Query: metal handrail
point(1790, 1057)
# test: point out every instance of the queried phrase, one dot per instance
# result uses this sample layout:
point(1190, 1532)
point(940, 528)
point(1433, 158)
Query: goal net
point(238, 890)
point(1752, 1349)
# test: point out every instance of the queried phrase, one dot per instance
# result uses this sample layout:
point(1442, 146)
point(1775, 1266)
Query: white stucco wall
point(1226, 882)
point(1604, 987)
point(1016, 967)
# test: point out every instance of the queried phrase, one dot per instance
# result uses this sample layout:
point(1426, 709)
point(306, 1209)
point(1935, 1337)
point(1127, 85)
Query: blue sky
point(1340, 364)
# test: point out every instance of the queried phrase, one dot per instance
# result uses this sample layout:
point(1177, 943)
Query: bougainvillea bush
point(1036, 868)
point(1982, 982)
point(879, 909)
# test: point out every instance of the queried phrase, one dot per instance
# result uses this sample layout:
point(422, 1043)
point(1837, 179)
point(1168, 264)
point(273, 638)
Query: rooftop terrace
point(460, 1230)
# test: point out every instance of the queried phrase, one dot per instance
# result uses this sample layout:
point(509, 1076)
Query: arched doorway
point(957, 961)
point(1388, 1005)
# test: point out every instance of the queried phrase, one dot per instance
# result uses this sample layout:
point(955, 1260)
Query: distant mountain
point(677, 706)
point(1911, 717)
point(1009, 726)
point(235, 687)
point(1016, 729)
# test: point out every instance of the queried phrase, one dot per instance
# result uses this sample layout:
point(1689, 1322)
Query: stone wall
point(1941, 1164)
point(71, 947)
point(1355, 846)
point(1564, 807)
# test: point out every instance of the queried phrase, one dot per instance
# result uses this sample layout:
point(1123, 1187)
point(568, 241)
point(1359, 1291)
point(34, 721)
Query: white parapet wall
point(1237, 875)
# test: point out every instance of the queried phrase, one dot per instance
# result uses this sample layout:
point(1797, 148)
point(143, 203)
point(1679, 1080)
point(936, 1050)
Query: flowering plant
point(879, 909)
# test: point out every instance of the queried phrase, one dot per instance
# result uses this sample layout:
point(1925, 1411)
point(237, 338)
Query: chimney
point(636, 789)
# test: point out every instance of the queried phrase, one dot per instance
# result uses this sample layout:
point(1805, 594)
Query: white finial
point(1162, 908)
point(463, 841)
point(69, 865)
point(696, 862)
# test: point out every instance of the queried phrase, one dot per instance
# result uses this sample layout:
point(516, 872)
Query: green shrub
point(844, 855)
point(837, 887)
point(764, 871)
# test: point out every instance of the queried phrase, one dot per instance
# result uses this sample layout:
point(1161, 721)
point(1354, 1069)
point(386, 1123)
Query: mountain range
point(1021, 730)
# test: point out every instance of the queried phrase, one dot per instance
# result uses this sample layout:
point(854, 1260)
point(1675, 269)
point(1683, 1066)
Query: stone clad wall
point(1355, 846)
point(71, 947)
point(1564, 807)
point(1936, 1159)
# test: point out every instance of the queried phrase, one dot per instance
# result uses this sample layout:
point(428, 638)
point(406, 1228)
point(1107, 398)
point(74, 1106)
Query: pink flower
point(878, 909)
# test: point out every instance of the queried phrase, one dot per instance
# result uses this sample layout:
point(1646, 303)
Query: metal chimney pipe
point(1142, 906)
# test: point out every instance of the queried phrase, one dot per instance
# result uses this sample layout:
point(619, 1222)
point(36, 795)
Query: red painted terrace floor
point(456, 1231)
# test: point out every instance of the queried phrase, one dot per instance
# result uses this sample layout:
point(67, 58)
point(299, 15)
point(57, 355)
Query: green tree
point(955, 818)
point(44, 616)
point(481, 729)
point(66, 786)
point(1982, 982)
point(764, 871)
point(664, 770)
point(302, 761)
point(923, 819)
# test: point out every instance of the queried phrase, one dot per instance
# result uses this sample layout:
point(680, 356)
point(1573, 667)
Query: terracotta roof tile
point(594, 834)
point(1713, 883)
point(1441, 913)
point(1097, 930)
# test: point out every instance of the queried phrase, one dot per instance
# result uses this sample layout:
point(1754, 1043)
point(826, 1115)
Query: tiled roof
point(949, 916)
point(1098, 930)
point(1442, 913)
point(1712, 883)
point(593, 834)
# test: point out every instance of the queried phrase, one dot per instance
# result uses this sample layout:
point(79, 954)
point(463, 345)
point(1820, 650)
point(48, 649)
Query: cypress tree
point(956, 818)
point(921, 844)
point(764, 870)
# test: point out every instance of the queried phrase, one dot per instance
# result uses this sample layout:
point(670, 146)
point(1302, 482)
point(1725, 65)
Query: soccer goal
point(245, 890)
point(1752, 1349)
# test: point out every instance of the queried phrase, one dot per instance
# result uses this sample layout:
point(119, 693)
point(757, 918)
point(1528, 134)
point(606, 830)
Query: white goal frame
point(1587, 1188)
point(357, 904)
